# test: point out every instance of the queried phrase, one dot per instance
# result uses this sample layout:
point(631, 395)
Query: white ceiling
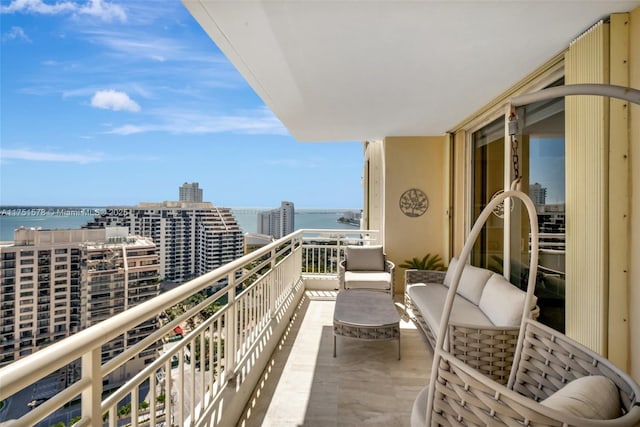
point(356, 70)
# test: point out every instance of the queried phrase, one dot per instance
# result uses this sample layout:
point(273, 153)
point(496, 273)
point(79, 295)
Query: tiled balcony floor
point(366, 384)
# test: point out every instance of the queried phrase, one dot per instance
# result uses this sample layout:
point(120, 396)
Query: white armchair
point(366, 267)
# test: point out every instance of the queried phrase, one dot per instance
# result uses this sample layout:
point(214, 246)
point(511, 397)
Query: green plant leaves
point(428, 262)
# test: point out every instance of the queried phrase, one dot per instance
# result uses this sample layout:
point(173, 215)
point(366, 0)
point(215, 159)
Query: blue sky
point(119, 102)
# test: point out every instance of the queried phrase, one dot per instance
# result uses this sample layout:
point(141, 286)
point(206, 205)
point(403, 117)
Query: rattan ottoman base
point(366, 315)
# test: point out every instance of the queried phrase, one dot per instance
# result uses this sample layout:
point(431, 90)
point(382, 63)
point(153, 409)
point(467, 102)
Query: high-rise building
point(190, 192)
point(538, 194)
point(192, 238)
point(57, 282)
point(277, 222)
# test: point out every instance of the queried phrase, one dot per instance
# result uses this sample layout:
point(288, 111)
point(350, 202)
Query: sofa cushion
point(365, 258)
point(593, 397)
point(502, 302)
point(367, 280)
point(472, 281)
point(429, 299)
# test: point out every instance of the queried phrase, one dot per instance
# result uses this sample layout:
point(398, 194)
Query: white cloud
point(39, 7)
point(256, 122)
point(131, 129)
point(97, 8)
point(103, 10)
point(139, 44)
point(43, 156)
point(114, 100)
point(16, 33)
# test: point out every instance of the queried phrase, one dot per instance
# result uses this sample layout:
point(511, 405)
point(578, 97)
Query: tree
point(124, 410)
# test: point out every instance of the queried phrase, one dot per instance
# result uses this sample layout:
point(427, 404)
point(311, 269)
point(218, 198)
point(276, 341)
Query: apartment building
point(192, 237)
point(277, 222)
point(57, 282)
point(190, 192)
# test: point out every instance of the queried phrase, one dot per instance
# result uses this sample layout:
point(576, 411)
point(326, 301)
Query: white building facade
point(277, 222)
point(192, 238)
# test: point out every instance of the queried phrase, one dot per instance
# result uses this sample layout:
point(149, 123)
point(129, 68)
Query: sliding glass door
point(540, 158)
point(488, 179)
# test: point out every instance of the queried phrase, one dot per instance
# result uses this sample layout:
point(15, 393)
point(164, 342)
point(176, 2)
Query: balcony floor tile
point(366, 384)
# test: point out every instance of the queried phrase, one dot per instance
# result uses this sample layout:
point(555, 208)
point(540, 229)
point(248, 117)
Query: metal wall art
point(414, 203)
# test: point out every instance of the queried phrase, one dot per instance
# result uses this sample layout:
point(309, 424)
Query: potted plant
point(428, 262)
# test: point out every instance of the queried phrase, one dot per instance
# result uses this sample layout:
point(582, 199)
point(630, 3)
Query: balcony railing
point(234, 317)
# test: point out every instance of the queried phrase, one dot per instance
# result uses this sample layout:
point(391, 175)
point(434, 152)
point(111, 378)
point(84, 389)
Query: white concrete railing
point(188, 381)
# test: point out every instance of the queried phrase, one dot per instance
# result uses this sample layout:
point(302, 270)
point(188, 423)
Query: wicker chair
point(545, 361)
point(366, 267)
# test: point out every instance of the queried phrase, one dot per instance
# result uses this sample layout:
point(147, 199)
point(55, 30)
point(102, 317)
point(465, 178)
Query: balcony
point(265, 356)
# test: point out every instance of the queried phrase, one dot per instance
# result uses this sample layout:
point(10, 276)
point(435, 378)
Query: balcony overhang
point(356, 70)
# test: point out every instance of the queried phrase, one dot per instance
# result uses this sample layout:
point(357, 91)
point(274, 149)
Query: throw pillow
point(594, 397)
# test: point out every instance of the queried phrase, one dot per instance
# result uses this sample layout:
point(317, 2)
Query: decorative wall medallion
point(414, 203)
point(499, 210)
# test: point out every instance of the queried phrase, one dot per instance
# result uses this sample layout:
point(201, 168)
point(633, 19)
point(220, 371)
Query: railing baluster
point(152, 398)
point(220, 357)
point(92, 395)
point(205, 348)
point(135, 400)
point(192, 373)
point(215, 358)
point(168, 394)
point(231, 328)
point(113, 416)
point(180, 394)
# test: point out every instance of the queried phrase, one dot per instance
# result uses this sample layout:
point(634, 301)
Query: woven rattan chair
point(366, 267)
point(544, 363)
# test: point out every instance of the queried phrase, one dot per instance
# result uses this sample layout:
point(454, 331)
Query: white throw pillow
point(594, 397)
point(502, 302)
point(448, 278)
point(472, 281)
point(365, 258)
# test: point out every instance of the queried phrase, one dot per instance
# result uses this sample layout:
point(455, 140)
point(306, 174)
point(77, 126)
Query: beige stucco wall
point(422, 163)
point(634, 122)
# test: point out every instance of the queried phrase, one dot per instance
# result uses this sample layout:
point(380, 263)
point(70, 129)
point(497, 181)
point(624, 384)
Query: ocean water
point(74, 217)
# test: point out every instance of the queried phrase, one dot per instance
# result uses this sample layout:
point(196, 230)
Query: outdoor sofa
point(485, 319)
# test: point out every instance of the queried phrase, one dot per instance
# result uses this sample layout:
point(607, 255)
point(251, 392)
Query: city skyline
point(113, 103)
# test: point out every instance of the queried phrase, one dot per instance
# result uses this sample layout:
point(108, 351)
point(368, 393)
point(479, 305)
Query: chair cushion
point(472, 281)
point(419, 410)
point(502, 302)
point(430, 299)
point(365, 258)
point(367, 280)
point(594, 397)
